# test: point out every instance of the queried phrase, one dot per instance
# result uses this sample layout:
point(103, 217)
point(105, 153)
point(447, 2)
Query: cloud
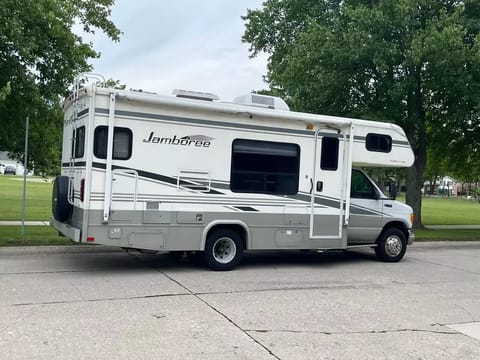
point(183, 44)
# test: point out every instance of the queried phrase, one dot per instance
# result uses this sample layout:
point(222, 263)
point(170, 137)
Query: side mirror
point(393, 191)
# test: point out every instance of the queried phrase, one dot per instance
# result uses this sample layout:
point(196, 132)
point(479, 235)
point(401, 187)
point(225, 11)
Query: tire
point(223, 249)
point(391, 245)
point(61, 208)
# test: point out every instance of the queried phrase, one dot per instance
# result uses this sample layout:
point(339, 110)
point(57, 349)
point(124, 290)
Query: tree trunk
point(416, 133)
point(414, 192)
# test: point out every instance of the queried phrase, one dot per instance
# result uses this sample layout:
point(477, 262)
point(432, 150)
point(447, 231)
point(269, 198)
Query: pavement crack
point(297, 288)
point(351, 332)
point(47, 272)
point(97, 300)
point(213, 308)
point(443, 265)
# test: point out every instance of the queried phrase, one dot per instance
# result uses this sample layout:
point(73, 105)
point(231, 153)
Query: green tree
point(39, 57)
point(464, 158)
point(412, 62)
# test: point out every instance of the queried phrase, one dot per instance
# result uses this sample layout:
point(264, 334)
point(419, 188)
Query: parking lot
point(98, 302)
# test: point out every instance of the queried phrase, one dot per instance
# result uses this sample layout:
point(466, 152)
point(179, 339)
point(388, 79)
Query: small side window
point(78, 142)
point(122, 143)
point(329, 158)
point(379, 143)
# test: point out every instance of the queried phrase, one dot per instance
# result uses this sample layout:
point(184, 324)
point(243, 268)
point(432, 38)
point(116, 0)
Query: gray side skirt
point(172, 231)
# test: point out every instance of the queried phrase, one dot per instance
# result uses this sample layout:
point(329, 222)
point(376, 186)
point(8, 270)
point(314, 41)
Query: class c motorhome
point(191, 173)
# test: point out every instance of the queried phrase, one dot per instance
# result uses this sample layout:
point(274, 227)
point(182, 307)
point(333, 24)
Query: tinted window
point(329, 159)
point(264, 167)
point(379, 143)
point(361, 187)
point(122, 143)
point(78, 142)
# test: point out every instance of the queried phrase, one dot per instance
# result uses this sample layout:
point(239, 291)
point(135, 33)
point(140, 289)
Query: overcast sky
point(181, 44)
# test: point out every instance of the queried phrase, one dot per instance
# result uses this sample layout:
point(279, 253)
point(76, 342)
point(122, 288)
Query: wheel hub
point(224, 250)
point(393, 246)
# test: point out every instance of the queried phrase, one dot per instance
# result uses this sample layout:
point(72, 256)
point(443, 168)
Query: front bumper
point(411, 236)
point(66, 230)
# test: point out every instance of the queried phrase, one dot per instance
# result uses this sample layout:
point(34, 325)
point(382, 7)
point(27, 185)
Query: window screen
point(78, 142)
point(122, 143)
point(379, 143)
point(329, 158)
point(264, 167)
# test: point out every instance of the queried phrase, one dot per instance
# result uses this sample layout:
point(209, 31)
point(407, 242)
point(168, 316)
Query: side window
point(379, 143)
point(78, 142)
point(329, 158)
point(264, 167)
point(122, 143)
point(361, 187)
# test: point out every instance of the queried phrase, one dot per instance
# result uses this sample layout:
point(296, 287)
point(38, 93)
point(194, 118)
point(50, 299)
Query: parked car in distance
point(10, 170)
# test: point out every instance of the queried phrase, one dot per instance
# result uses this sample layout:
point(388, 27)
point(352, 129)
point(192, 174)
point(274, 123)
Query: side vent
point(195, 95)
point(263, 101)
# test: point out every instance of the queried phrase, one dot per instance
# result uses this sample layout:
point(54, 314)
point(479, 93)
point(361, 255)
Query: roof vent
point(196, 95)
point(263, 101)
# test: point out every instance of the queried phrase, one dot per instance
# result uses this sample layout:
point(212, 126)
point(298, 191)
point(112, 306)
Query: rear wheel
point(391, 246)
point(223, 249)
point(61, 208)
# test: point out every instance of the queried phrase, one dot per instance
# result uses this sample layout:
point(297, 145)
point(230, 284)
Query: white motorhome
point(191, 173)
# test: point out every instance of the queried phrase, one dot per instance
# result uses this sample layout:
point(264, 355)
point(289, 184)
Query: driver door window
point(361, 187)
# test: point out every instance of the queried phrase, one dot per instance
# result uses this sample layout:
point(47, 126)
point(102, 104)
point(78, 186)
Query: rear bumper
point(411, 236)
point(66, 230)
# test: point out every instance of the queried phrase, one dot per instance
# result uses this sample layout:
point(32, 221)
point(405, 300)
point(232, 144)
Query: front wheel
point(391, 246)
point(223, 249)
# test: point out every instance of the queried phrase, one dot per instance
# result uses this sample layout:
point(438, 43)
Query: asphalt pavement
point(83, 302)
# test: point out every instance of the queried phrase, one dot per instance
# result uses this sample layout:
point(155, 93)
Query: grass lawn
point(34, 235)
point(449, 211)
point(446, 235)
point(38, 204)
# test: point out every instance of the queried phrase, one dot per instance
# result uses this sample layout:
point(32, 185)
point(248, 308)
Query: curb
point(446, 243)
point(58, 249)
point(27, 223)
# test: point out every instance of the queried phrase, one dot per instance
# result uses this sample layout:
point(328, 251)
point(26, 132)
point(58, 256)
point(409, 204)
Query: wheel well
point(397, 225)
point(239, 229)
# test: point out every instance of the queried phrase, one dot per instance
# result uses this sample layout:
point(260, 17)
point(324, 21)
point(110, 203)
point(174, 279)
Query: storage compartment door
point(124, 195)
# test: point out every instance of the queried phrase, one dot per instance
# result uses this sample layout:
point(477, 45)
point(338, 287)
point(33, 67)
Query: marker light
point(82, 190)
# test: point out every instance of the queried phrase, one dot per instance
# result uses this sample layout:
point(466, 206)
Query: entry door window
point(329, 157)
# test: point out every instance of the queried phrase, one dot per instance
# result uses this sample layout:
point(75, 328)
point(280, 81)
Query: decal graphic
point(189, 140)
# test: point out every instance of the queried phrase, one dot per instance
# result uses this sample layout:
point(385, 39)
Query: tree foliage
point(40, 55)
point(412, 62)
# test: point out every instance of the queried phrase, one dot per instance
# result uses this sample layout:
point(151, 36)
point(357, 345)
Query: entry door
point(326, 218)
point(124, 195)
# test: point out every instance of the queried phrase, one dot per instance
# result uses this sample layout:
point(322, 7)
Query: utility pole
point(25, 163)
